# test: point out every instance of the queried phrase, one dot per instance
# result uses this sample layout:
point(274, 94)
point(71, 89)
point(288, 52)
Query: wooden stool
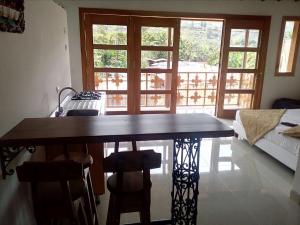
point(57, 190)
point(89, 199)
point(130, 186)
point(117, 144)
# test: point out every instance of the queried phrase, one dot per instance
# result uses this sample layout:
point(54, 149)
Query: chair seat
point(132, 182)
point(85, 159)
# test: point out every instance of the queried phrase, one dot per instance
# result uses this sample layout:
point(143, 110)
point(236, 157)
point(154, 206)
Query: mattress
point(292, 145)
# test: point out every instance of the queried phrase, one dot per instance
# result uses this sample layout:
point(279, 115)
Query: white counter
point(68, 104)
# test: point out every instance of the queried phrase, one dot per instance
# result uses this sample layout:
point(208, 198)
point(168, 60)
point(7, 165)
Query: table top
point(41, 131)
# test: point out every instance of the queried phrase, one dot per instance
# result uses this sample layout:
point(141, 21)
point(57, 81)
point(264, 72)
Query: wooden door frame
point(83, 12)
point(157, 22)
point(262, 54)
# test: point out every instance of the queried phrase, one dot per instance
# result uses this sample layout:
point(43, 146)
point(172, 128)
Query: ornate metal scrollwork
point(185, 180)
point(7, 154)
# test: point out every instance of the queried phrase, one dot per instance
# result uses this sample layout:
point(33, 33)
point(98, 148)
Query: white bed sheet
point(290, 144)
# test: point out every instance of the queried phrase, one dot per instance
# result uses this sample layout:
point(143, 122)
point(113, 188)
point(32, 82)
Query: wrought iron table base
point(185, 181)
point(7, 154)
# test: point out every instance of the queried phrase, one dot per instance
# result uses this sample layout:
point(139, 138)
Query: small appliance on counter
point(84, 103)
point(88, 95)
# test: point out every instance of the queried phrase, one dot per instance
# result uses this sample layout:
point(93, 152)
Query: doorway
point(198, 69)
point(242, 68)
point(173, 64)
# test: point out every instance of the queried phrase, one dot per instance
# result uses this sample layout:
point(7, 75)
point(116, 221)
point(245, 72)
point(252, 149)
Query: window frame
point(84, 12)
point(296, 48)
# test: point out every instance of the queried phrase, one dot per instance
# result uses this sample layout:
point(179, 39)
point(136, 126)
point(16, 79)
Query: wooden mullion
point(223, 68)
point(156, 21)
point(137, 63)
point(84, 57)
point(155, 111)
point(176, 39)
point(247, 23)
point(131, 67)
point(157, 48)
point(110, 47)
point(244, 63)
point(108, 19)
point(111, 70)
point(168, 77)
point(153, 92)
point(125, 112)
point(239, 91)
point(259, 76)
point(156, 70)
point(294, 47)
point(243, 49)
point(242, 70)
point(115, 92)
point(90, 78)
point(279, 48)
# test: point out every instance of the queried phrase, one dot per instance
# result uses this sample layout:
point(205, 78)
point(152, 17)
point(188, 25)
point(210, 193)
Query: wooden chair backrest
point(50, 171)
point(132, 161)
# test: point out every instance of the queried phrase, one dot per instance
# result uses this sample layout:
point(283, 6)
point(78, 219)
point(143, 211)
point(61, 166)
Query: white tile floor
point(239, 185)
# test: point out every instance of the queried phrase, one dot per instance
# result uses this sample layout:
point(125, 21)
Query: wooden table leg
point(97, 174)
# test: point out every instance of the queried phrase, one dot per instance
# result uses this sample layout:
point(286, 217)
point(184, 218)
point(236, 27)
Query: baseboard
point(295, 196)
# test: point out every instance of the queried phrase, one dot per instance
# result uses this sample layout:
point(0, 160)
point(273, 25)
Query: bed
point(283, 148)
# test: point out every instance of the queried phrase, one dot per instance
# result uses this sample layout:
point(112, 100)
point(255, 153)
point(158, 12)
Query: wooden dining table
point(186, 130)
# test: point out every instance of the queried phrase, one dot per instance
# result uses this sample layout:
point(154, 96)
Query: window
point(288, 46)
point(173, 62)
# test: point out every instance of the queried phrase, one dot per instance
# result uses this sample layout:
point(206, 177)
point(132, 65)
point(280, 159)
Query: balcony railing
point(194, 89)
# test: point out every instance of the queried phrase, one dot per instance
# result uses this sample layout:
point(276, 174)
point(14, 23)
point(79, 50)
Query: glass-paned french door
point(156, 64)
point(243, 60)
point(134, 60)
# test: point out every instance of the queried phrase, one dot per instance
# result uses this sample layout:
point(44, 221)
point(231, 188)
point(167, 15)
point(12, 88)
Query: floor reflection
point(239, 184)
point(215, 154)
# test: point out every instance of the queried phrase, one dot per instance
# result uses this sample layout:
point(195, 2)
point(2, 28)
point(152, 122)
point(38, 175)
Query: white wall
point(32, 64)
point(274, 87)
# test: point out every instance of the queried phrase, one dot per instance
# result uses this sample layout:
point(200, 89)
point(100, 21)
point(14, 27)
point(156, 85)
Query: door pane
point(110, 58)
point(155, 102)
point(237, 101)
point(116, 102)
point(109, 34)
point(210, 97)
point(239, 81)
point(156, 81)
point(238, 38)
point(182, 97)
point(110, 81)
point(196, 89)
point(157, 36)
point(253, 39)
point(244, 38)
point(156, 59)
point(197, 80)
point(242, 60)
point(196, 97)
